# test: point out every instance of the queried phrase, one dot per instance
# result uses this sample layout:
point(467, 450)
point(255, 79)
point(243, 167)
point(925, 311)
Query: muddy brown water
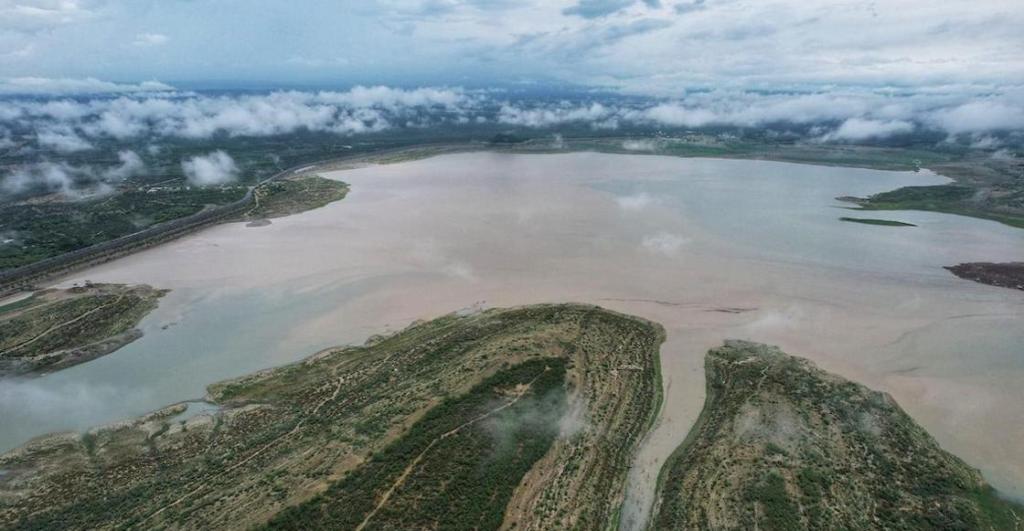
point(712, 249)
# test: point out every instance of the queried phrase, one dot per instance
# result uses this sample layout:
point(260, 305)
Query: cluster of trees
point(42, 230)
point(463, 460)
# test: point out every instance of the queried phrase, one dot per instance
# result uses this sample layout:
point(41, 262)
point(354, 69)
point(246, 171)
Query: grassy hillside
point(455, 468)
point(781, 444)
point(527, 417)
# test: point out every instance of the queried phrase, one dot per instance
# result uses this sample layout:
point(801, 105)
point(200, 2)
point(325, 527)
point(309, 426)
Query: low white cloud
point(460, 270)
point(597, 8)
point(28, 16)
point(5, 138)
point(983, 115)
point(863, 129)
point(676, 114)
point(214, 168)
point(188, 115)
point(89, 85)
point(1003, 154)
point(861, 113)
point(74, 182)
point(635, 202)
point(62, 139)
point(664, 243)
point(639, 145)
point(47, 175)
point(74, 124)
point(130, 165)
point(595, 114)
point(147, 40)
point(777, 320)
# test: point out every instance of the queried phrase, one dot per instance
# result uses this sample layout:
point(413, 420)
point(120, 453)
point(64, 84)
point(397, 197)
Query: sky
point(652, 47)
point(133, 73)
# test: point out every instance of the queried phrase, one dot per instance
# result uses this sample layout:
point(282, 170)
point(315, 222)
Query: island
point(781, 444)
point(873, 221)
point(56, 328)
point(527, 417)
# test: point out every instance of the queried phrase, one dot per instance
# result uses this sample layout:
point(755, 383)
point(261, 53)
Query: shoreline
point(780, 153)
point(617, 306)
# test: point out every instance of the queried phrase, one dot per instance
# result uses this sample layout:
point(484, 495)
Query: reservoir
point(712, 249)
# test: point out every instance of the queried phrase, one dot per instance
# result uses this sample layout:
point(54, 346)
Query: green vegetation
point(984, 186)
point(508, 138)
point(55, 329)
point(527, 417)
point(35, 228)
point(781, 444)
point(1005, 205)
point(872, 221)
point(43, 228)
point(728, 145)
point(454, 469)
point(291, 196)
point(18, 304)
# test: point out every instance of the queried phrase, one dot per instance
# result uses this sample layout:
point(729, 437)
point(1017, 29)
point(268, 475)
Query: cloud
point(34, 15)
point(146, 40)
point(89, 85)
point(130, 165)
point(62, 139)
point(597, 8)
point(189, 115)
point(984, 115)
point(690, 6)
point(74, 182)
point(595, 113)
point(919, 45)
point(46, 176)
point(863, 129)
point(214, 168)
point(66, 124)
point(635, 202)
point(860, 113)
point(318, 62)
point(639, 145)
point(679, 115)
point(460, 270)
point(664, 243)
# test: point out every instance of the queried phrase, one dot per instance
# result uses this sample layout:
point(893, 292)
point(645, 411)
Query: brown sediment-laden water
point(712, 249)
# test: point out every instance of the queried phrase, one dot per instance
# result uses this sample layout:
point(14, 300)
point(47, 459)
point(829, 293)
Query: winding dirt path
point(60, 325)
point(257, 453)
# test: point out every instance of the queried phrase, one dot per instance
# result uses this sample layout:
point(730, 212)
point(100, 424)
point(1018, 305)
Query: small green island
point(872, 221)
point(781, 445)
point(56, 328)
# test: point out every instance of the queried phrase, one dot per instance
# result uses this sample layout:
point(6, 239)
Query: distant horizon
point(653, 47)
